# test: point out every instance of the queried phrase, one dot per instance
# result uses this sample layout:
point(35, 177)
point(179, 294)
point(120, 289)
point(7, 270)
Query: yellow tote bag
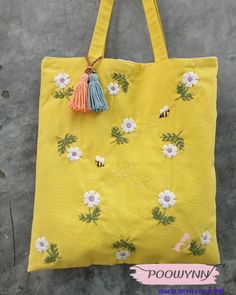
point(135, 183)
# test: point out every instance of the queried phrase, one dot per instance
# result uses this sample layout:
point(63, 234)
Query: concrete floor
point(30, 30)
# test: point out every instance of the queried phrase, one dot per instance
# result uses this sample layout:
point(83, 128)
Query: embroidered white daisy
point(113, 89)
point(170, 150)
point(128, 125)
point(62, 80)
point(100, 161)
point(190, 79)
point(74, 154)
point(205, 238)
point(122, 254)
point(91, 199)
point(41, 244)
point(167, 199)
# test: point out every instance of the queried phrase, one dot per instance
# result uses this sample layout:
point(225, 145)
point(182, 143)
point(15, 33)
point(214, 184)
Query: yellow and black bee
point(100, 161)
point(164, 112)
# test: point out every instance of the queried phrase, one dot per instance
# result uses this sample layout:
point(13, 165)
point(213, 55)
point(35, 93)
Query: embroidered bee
point(164, 112)
point(100, 161)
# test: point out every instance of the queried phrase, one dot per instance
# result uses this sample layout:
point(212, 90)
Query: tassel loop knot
point(89, 70)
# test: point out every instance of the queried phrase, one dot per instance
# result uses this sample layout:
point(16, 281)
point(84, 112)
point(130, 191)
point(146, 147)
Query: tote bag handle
point(98, 43)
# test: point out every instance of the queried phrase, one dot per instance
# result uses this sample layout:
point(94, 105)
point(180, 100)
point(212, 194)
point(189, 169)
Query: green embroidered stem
point(53, 254)
point(121, 80)
point(60, 94)
point(91, 216)
point(196, 249)
point(174, 139)
point(123, 244)
point(161, 217)
point(184, 93)
point(118, 134)
point(65, 143)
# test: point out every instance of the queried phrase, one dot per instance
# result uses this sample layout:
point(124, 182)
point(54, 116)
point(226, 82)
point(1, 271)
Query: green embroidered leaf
point(196, 249)
point(53, 254)
point(91, 216)
point(58, 94)
point(157, 214)
point(184, 93)
point(123, 244)
point(168, 220)
point(161, 217)
point(2, 174)
point(64, 93)
point(64, 143)
point(174, 139)
point(121, 80)
point(85, 217)
point(118, 134)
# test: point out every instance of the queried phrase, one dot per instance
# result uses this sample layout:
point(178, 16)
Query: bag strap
point(98, 43)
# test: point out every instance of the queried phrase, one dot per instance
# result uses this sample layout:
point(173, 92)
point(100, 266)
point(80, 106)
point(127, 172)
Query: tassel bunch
point(88, 95)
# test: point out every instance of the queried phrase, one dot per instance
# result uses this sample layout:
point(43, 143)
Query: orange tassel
point(79, 101)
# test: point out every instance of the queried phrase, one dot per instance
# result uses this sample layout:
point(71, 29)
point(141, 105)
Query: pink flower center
point(167, 199)
point(62, 80)
point(91, 198)
point(190, 79)
point(128, 125)
point(169, 150)
point(74, 154)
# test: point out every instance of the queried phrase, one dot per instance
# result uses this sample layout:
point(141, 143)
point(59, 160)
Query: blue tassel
point(96, 98)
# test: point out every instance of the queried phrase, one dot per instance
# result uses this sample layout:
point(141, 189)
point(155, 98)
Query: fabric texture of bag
point(133, 184)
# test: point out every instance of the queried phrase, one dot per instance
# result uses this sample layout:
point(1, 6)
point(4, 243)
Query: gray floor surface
point(30, 30)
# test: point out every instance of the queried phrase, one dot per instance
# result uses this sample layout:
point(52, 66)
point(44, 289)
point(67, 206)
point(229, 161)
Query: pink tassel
point(79, 101)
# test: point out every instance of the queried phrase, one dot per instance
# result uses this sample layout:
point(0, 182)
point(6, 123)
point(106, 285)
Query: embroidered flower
point(91, 199)
point(205, 238)
point(124, 249)
point(74, 154)
point(41, 244)
point(121, 80)
point(122, 254)
point(62, 80)
point(175, 139)
point(190, 79)
point(64, 143)
point(170, 150)
point(113, 89)
point(128, 125)
point(164, 111)
point(100, 161)
point(167, 199)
